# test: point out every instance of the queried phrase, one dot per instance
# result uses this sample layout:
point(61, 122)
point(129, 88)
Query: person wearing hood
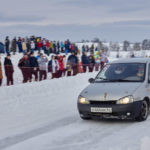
point(9, 70)
point(1, 74)
point(24, 65)
point(42, 61)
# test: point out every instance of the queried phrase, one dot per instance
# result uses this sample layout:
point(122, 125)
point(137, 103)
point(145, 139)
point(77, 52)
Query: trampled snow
point(43, 116)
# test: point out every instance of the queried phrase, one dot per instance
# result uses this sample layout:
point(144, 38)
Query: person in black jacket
point(91, 62)
point(85, 61)
point(8, 70)
point(7, 43)
point(73, 62)
point(33, 66)
point(24, 65)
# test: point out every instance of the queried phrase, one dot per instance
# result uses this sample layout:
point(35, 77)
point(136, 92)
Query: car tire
point(143, 111)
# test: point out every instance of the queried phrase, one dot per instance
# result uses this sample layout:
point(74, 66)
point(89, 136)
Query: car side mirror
point(91, 80)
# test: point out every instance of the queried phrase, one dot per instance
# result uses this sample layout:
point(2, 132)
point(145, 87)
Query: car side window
point(149, 73)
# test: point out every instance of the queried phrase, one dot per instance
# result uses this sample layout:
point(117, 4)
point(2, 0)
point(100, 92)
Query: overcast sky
point(111, 20)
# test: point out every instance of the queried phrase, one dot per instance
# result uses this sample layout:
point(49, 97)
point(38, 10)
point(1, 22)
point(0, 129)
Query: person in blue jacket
point(85, 61)
point(73, 62)
point(33, 66)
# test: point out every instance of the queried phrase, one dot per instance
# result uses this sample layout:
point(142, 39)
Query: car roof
point(132, 60)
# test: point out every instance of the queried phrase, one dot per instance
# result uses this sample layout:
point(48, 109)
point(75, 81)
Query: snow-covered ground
point(43, 116)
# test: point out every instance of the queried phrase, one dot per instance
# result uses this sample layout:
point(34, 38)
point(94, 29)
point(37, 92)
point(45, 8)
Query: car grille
point(102, 102)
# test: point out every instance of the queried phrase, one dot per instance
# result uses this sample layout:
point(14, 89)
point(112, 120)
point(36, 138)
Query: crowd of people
point(59, 63)
point(36, 43)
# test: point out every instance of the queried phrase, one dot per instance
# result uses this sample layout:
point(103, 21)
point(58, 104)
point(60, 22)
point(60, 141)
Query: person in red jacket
point(61, 66)
point(40, 45)
point(72, 47)
point(47, 47)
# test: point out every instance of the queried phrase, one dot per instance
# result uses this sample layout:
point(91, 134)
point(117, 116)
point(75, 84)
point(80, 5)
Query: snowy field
point(43, 116)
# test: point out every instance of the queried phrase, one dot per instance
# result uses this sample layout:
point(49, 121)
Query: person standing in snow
point(61, 66)
point(42, 61)
point(7, 43)
point(47, 48)
point(24, 46)
point(73, 62)
point(62, 46)
point(14, 46)
point(9, 70)
point(33, 66)
point(1, 74)
point(53, 66)
point(39, 45)
point(97, 60)
point(24, 65)
point(32, 46)
point(85, 61)
point(65, 65)
point(103, 59)
point(91, 62)
point(19, 43)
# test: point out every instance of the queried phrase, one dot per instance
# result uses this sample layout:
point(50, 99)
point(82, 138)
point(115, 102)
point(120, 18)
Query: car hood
point(109, 91)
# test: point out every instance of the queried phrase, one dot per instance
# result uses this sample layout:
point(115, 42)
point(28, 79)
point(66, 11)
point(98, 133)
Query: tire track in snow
point(9, 141)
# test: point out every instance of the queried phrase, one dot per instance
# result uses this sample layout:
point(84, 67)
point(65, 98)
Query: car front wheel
point(143, 111)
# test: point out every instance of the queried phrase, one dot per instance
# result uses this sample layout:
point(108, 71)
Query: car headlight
point(83, 100)
point(126, 100)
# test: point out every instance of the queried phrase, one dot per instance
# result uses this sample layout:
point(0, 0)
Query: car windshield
point(122, 72)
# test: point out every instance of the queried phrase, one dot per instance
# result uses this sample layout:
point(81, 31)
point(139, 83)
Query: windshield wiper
point(103, 79)
point(122, 80)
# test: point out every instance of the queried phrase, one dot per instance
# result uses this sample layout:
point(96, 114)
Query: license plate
point(101, 110)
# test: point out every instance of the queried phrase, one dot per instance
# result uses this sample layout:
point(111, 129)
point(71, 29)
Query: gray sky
point(111, 20)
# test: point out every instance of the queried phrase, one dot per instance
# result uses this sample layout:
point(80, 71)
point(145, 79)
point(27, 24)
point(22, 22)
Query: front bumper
point(119, 111)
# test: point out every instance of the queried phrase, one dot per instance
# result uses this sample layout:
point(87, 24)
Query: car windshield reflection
point(122, 72)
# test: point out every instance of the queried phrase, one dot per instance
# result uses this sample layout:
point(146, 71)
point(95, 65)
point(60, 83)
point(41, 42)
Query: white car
point(120, 90)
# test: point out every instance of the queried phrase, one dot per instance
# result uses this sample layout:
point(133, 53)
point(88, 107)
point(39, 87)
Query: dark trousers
point(64, 72)
point(84, 68)
point(62, 49)
point(26, 74)
point(75, 69)
point(10, 80)
point(35, 73)
point(0, 82)
point(91, 67)
point(69, 73)
point(53, 75)
point(102, 64)
point(60, 73)
point(96, 67)
point(43, 75)
point(57, 74)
